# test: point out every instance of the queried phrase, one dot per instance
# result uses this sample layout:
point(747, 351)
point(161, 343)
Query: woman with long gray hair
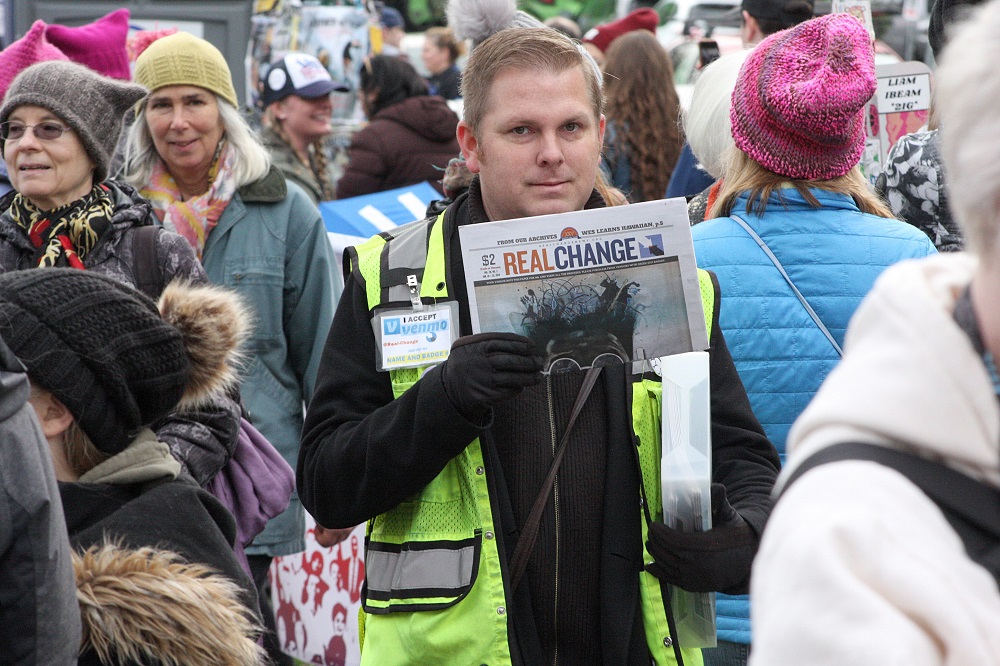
point(209, 179)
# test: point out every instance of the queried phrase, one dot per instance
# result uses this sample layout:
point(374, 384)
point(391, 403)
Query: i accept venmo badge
point(412, 338)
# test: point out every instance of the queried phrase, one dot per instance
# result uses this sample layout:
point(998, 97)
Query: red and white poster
point(317, 598)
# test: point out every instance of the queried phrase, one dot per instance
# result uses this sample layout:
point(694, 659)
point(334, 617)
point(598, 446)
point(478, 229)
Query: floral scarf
point(196, 217)
point(65, 236)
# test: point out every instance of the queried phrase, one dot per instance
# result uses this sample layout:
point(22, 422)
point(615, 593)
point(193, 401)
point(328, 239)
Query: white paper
point(589, 287)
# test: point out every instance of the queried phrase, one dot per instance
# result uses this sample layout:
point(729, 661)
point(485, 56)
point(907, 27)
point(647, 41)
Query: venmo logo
point(390, 326)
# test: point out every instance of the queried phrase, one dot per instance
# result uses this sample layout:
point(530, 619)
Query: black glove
point(487, 368)
point(714, 561)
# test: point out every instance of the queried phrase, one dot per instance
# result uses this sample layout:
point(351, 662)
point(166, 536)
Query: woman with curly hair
point(643, 137)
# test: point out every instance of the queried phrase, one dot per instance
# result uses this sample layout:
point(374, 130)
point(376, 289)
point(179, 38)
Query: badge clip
point(414, 287)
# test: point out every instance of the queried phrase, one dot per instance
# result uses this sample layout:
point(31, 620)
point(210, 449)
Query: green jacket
point(270, 246)
point(283, 156)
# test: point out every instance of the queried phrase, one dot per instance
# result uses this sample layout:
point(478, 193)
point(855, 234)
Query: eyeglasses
point(13, 130)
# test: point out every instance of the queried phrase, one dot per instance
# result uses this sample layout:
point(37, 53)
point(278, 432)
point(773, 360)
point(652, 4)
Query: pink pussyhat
point(799, 103)
point(28, 50)
point(99, 45)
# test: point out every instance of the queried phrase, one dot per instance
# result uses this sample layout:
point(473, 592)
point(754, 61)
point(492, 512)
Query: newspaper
point(593, 287)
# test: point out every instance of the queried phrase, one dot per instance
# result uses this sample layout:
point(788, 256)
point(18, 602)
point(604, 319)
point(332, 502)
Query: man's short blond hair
point(533, 49)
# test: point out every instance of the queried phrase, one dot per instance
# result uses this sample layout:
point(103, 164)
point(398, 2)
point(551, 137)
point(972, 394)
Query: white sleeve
point(857, 566)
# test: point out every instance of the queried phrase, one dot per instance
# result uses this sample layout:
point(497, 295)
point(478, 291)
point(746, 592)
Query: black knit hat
point(945, 13)
point(99, 346)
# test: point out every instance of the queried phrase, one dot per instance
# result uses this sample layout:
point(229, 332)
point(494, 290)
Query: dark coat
point(447, 84)
point(404, 144)
point(39, 615)
point(168, 515)
point(364, 453)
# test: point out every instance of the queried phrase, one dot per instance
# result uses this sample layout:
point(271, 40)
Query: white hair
point(706, 122)
point(968, 87)
point(252, 160)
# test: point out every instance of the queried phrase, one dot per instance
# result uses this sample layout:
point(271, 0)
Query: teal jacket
point(271, 247)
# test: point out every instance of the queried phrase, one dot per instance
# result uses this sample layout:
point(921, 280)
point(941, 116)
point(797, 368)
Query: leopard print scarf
point(65, 236)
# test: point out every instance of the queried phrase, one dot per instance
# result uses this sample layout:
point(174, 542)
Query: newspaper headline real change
point(591, 287)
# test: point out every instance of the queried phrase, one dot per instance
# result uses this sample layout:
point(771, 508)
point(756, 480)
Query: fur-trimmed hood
point(213, 323)
point(149, 606)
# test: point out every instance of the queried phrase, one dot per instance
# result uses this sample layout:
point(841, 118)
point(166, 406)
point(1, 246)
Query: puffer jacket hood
point(149, 606)
point(426, 115)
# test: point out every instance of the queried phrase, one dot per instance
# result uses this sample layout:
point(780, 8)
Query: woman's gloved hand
point(485, 368)
point(714, 561)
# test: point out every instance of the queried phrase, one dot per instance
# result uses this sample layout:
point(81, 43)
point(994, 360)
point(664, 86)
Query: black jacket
point(172, 515)
point(363, 453)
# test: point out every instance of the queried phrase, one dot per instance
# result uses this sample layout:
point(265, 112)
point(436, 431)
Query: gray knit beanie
point(478, 20)
point(93, 105)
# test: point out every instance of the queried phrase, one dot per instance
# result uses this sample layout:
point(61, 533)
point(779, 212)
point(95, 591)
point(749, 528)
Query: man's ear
point(469, 145)
point(751, 30)
point(53, 416)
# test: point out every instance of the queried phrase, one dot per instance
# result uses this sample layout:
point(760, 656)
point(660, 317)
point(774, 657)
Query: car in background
point(685, 19)
point(690, 55)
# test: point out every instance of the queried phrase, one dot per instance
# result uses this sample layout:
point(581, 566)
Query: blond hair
point(444, 38)
point(744, 175)
point(531, 49)
point(81, 454)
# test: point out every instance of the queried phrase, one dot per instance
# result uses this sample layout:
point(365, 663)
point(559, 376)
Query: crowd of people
point(188, 373)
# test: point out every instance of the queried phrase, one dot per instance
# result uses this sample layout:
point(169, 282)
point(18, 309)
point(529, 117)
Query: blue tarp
point(369, 214)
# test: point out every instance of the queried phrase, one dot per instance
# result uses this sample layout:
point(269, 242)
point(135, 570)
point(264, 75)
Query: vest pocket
point(425, 553)
point(419, 575)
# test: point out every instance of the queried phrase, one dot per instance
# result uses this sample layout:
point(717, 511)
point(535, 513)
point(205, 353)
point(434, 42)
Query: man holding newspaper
point(513, 499)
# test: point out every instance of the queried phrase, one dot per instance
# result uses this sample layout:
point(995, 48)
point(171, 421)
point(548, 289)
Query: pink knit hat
point(28, 50)
point(99, 45)
point(798, 106)
point(601, 36)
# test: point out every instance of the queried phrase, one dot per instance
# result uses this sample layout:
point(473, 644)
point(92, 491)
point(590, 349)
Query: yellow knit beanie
point(182, 59)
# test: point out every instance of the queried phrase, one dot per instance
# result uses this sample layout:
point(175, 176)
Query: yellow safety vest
point(434, 589)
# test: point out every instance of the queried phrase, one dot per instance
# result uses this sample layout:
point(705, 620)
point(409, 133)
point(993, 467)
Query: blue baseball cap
point(391, 18)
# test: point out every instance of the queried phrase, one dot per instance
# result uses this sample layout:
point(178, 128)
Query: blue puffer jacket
point(833, 255)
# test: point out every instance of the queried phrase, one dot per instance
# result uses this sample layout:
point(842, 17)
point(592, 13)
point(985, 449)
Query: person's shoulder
point(271, 188)
point(892, 228)
point(716, 227)
point(852, 502)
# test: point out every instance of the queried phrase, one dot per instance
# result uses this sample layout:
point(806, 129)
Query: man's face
point(538, 147)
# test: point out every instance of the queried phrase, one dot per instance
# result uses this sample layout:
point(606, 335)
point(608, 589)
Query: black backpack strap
point(145, 265)
point(970, 506)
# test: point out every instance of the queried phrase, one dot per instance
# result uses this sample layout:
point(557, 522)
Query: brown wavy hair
point(642, 103)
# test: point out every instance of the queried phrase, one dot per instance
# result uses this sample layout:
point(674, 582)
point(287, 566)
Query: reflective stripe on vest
point(409, 565)
point(435, 552)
